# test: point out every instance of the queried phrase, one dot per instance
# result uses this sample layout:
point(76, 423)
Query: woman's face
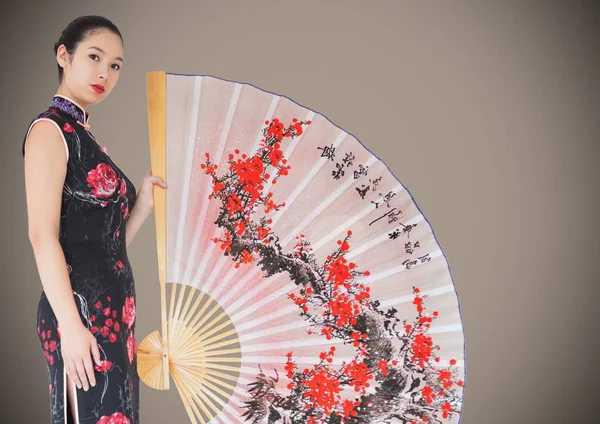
point(97, 60)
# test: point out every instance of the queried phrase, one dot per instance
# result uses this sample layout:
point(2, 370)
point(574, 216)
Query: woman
point(83, 212)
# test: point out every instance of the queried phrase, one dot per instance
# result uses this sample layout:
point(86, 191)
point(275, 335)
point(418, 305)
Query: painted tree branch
point(395, 355)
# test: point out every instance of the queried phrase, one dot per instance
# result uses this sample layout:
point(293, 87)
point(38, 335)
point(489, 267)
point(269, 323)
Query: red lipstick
point(98, 88)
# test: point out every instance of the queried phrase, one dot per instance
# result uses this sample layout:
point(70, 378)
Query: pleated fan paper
point(300, 282)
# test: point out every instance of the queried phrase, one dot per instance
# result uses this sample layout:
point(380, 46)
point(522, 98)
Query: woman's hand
point(78, 346)
point(144, 198)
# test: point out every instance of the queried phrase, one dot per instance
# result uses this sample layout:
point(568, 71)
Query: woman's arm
point(45, 171)
point(144, 205)
point(136, 218)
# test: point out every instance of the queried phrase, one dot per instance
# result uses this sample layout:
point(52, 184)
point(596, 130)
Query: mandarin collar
point(71, 108)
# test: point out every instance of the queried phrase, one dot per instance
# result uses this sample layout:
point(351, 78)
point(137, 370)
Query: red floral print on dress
point(104, 321)
point(68, 128)
point(103, 366)
point(103, 180)
point(123, 188)
point(131, 347)
point(116, 418)
point(129, 311)
point(49, 344)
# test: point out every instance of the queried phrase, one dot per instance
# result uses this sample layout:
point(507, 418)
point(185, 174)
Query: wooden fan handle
point(156, 88)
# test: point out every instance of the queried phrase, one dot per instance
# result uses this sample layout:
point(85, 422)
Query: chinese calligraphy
point(346, 162)
point(408, 263)
point(328, 152)
point(392, 217)
point(406, 229)
point(363, 189)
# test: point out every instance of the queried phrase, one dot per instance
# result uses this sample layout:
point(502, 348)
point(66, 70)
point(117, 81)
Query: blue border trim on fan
point(398, 180)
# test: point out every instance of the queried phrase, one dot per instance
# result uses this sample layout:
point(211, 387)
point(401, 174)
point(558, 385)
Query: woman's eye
point(116, 66)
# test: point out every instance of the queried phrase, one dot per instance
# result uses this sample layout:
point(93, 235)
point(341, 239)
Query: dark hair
point(78, 30)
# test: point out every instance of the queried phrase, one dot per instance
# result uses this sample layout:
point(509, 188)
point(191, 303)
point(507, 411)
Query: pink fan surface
point(341, 299)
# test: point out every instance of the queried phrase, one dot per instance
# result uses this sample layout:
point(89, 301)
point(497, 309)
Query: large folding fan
point(300, 283)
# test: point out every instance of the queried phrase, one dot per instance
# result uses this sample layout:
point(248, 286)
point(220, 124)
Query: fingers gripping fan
point(300, 283)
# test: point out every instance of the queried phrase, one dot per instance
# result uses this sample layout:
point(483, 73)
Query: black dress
point(97, 198)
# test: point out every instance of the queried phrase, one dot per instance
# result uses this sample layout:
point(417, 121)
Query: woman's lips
point(98, 89)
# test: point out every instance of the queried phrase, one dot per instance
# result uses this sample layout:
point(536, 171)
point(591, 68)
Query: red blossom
point(428, 394)
point(343, 309)
point(234, 204)
point(348, 407)
point(339, 271)
point(447, 409)
point(240, 227)
point(275, 156)
point(322, 390)
point(276, 129)
point(422, 347)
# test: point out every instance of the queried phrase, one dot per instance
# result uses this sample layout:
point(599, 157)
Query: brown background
point(486, 111)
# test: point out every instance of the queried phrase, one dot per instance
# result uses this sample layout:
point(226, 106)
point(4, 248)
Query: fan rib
point(212, 341)
point(208, 382)
point(230, 341)
point(321, 206)
point(268, 116)
point(214, 366)
point(186, 334)
point(314, 170)
point(342, 228)
point(289, 309)
point(199, 272)
point(196, 396)
point(273, 330)
point(222, 375)
point(397, 270)
point(214, 309)
point(264, 301)
point(188, 404)
point(187, 172)
point(211, 328)
point(448, 288)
